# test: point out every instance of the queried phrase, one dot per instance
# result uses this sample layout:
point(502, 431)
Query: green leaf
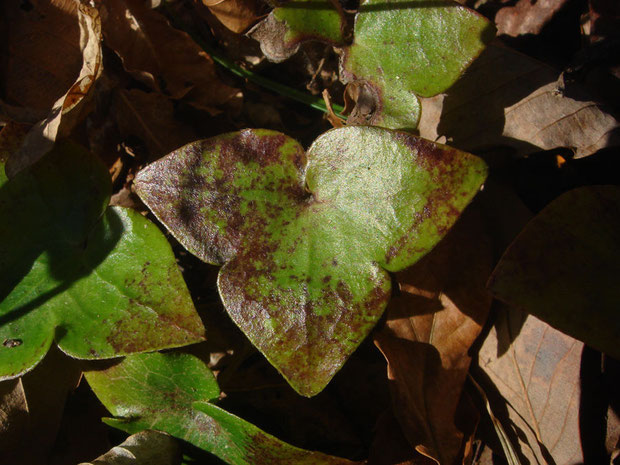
point(172, 393)
point(297, 21)
point(402, 48)
point(102, 283)
point(307, 241)
point(564, 267)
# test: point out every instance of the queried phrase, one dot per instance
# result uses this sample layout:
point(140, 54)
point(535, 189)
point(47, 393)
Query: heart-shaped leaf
point(172, 393)
point(297, 21)
point(306, 245)
point(102, 283)
point(564, 267)
point(403, 48)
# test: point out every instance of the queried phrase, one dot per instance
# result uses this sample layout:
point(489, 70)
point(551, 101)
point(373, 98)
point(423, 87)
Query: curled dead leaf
point(236, 15)
point(164, 58)
point(66, 110)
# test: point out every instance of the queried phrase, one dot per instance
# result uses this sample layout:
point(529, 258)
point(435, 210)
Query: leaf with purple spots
point(100, 282)
point(174, 392)
point(306, 240)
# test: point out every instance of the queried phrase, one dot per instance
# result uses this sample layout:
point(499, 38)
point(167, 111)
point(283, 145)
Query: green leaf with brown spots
point(173, 393)
point(404, 48)
point(297, 21)
point(307, 240)
point(100, 282)
point(564, 267)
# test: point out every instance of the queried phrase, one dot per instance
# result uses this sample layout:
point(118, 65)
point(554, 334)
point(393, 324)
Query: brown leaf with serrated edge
point(150, 117)
point(526, 16)
point(507, 99)
point(31, 408)
point(164, 58)
point(236, 15)
point(536, 369)
point(430, 327)
point(69, 108)
point(143, 448)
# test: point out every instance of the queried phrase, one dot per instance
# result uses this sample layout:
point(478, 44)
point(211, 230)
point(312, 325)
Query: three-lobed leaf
point(100, 282)
point(173, 393)
point(307, 240)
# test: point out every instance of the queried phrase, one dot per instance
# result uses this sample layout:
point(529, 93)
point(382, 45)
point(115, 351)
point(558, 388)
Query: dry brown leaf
point(164, 58)
point(41, 57)
point(236, 15)
point(526, 16)
point(390, 447)
point(150, 117)
point(144, 448)
point(31, 408)
point(536, 369)
point(11, 138)
point(506, 99)
point(430, 327)
point(68, 108)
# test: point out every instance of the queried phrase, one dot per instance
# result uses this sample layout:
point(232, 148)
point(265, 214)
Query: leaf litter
point(547, 111)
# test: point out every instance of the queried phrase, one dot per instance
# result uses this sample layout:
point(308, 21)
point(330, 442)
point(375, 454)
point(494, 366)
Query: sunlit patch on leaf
point(307, 240)
point(401, 50)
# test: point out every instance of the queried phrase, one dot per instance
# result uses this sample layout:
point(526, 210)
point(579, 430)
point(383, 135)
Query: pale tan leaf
point(144, 448)
point(164, 58)
point(537, 371)
point(236, 15)
point(506, 99)
point(526, 16)
point(66, 110)
point(430, 327)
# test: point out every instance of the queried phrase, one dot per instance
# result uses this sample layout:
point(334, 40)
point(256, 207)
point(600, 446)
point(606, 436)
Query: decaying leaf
point(564, 267)
point(31, 408)
point(401, 50)
point(11, 138)
point(150, 117)
point(100, 282)
point(390, 447)
point(236, 15)
point(510, 100)
point(32, 77)
point(297, 21)
point(307, 240)
point(143, 448)
point(430, 327)
point(536, 370)
point(164, 58)
point(57, 22)
point(526, 16)
point(173, 393)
